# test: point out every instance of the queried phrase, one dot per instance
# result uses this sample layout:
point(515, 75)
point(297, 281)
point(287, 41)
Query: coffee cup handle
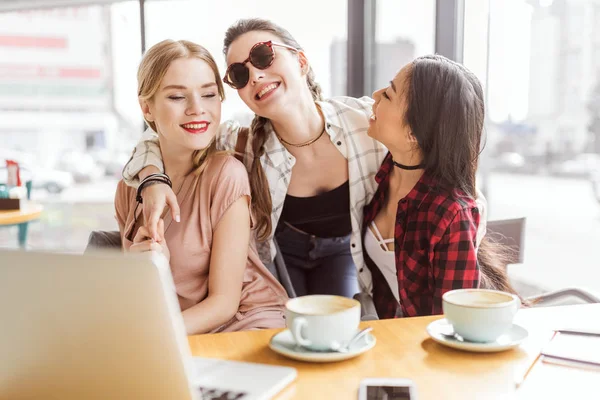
point(297, 326)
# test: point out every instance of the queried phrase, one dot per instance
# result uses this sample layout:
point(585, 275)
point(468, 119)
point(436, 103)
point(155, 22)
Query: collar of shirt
point(276, 151)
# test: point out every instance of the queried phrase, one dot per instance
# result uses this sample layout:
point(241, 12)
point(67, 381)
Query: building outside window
point(542, 157)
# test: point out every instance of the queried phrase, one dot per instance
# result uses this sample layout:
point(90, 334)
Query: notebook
point(574, 348)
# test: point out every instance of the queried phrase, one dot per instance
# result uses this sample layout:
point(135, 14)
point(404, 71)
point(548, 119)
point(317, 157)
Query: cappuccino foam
point(479, 299)
point(321, 305)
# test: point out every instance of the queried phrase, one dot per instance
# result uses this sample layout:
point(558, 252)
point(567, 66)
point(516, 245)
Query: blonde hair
point(153, 68)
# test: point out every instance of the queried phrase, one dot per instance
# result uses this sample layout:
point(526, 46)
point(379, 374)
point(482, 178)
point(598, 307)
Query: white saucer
point(284, 344)
point(442, 332)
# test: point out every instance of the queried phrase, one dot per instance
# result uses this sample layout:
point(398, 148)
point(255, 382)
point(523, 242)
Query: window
point(404, 30)
point(319, 26)
point(68, 105)
point(542, 68)
point(68, 113)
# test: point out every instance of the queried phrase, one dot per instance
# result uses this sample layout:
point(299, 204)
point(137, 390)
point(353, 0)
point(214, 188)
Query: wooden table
point(30, 211)
point(404, 350)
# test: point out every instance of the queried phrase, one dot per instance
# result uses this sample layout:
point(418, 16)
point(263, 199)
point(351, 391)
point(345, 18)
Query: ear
point(411, 138)
point(145, 106)
point(304, 64)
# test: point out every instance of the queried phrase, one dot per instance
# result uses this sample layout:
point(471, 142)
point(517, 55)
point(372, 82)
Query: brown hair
point(261, 197)
point(446, 115)
point(153, 68)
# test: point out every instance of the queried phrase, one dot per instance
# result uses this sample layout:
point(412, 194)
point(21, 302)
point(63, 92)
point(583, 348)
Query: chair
point(367, 307)
point(511, 233)
point(99, 240)
point(281, 272)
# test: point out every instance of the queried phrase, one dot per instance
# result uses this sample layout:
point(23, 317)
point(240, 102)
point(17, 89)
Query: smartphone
point(387, 389)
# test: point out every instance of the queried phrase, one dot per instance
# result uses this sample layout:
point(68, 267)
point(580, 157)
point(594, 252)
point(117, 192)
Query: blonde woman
point(220, 281)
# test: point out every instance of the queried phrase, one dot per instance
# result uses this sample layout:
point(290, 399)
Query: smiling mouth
point(266, 90)
point(196, 128)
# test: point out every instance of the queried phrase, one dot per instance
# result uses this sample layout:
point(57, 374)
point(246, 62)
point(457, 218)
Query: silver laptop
point(108, 326)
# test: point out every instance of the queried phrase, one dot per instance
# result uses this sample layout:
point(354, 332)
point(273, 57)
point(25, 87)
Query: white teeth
point(266, 89)
point(195, 126)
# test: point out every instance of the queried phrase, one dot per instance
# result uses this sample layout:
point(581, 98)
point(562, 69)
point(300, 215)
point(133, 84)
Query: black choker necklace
point(407, 167)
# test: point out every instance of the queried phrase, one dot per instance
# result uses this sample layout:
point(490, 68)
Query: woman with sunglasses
point(313, 155)
point(220, 281)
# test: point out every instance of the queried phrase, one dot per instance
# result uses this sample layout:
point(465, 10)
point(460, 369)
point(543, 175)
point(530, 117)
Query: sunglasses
point(261, 56)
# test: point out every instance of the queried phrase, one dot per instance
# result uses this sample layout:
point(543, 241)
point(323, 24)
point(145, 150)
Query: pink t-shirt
point(203, 201)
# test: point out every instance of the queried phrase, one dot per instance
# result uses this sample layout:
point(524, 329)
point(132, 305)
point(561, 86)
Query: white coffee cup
point(480, 315)
point(322, 322)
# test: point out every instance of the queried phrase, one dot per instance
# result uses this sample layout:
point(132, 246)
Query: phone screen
point(388, 393)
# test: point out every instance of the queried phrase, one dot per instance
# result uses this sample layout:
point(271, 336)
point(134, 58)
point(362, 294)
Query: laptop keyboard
point(216, 394)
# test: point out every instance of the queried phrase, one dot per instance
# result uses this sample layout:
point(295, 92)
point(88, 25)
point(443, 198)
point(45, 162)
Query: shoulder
point(344, 108)
point(445, 206)
point(351, 116)
point(229, 127)
point(226, 166)
point(227, 135)
point(223, 182)
point(361, 103)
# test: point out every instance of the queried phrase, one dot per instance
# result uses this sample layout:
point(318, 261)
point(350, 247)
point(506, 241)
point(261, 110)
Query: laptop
point(108, 326)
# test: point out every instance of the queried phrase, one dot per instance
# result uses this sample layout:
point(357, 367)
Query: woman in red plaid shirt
point(420, 229)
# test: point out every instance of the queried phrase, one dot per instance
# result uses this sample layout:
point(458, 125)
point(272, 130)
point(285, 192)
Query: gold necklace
point(311, 141)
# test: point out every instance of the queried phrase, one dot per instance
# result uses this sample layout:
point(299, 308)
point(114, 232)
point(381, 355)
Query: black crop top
point(324, 215)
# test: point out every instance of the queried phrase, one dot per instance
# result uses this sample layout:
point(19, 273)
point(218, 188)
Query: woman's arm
point(455, 257)
point(121, 206)
point(146, 153)
point(147, 159)
point(229, 255)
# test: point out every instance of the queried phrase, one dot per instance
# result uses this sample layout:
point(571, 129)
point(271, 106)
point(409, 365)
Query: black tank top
point(324, 215)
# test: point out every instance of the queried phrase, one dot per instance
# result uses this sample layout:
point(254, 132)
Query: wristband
point(151, 180)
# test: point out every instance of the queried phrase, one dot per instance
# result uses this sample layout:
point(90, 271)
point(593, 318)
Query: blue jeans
point(317, 265)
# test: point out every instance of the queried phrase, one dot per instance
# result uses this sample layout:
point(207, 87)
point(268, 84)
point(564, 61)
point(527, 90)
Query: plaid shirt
point(347, 120)
point(435, 241)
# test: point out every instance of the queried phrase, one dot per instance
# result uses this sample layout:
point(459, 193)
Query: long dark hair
point(446, 115)
point(261, 197)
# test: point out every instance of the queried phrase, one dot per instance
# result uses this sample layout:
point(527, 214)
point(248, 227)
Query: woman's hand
point(155, 199)
point(142, 241)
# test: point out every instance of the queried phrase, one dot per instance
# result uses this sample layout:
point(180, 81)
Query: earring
point(303, 67)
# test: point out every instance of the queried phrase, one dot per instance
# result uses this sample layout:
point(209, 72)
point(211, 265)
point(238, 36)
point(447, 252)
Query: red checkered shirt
point(434, 246)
